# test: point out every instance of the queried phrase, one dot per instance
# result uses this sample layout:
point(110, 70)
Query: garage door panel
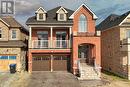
point(60, 65)
point(41, 63)
point(41, 66)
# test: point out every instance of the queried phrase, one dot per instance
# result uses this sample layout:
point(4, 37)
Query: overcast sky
point(102, 8)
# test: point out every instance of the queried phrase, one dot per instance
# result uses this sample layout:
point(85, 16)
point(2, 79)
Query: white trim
point(94, 15)
point(51, 36)
point(4, 22)
point(61, 9)
point(124, 20)
point(47, 26)
point(12, 34)
point(64, 17)
point(41, 9)
point(43, 15)
point(47, 23)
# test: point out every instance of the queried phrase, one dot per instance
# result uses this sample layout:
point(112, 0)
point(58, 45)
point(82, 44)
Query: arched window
point(82, 23)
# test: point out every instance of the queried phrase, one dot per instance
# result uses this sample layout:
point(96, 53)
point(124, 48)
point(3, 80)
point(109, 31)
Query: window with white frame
point(0, 33)
point(127, 33)
point(41, 16)
point(82, 23)
point(61, 17)
point(13, 34)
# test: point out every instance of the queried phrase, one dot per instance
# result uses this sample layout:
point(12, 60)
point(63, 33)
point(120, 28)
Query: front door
point(84, 53)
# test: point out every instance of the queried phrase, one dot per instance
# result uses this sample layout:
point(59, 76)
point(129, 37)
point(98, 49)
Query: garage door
point(5, 61)
point(60, 63)
point(46, 63)
point(41, 63)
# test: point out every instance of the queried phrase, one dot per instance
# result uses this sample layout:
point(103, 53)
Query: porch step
point(87, 72)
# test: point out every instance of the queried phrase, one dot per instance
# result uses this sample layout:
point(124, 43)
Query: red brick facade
point(77, 39)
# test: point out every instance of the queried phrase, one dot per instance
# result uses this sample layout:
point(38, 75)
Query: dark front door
point(84, 53)
point(41, 63)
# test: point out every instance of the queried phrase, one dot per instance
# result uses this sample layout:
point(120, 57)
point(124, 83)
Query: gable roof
point(61, 9)
point(10, 21)
point(41, 9)
point(112, 20)
point(83, 5)
point(52, 18)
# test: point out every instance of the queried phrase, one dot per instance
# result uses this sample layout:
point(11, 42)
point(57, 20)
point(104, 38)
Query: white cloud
point(26, 6)
point(102, 8)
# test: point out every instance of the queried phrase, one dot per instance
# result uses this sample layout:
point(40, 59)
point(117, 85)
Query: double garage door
point(52, 62)
point(5, 61)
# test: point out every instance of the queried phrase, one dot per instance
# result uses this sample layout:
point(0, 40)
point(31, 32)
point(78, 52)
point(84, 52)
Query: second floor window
point(0, 33)
point(82, 24)
point(13, 34)
point(42, 35)
point(128, 34)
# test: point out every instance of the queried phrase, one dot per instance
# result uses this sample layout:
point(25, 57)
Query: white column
point(70, 33)
point(51, 37)
point(51, 63)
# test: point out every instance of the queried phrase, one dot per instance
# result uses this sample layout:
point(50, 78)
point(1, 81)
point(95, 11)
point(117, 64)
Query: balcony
point(51, 44)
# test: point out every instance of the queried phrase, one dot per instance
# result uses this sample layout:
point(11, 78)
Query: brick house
point(64, 40)
point(12, 46)
point(115, 41)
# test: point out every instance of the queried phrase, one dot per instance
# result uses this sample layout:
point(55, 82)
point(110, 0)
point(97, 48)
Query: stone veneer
point(20, 56)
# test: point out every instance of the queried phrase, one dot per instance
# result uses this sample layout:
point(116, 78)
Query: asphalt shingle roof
point(111, 21)
point(52, 18)
point(11, 21)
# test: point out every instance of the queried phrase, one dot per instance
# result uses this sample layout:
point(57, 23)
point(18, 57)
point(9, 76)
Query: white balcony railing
point(40, 43)
point(43, 44)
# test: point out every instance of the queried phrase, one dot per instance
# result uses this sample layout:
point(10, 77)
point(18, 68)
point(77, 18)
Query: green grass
point(115, 76)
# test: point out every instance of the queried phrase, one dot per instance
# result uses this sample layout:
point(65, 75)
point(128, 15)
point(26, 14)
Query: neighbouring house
point(13, 44)
point(64, 40)
point(115, 44)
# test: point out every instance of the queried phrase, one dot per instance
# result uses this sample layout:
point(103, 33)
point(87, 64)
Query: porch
point(50, 37)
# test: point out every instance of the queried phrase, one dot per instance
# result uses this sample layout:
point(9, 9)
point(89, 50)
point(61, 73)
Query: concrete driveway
point(53, 79)
point(46, 79)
